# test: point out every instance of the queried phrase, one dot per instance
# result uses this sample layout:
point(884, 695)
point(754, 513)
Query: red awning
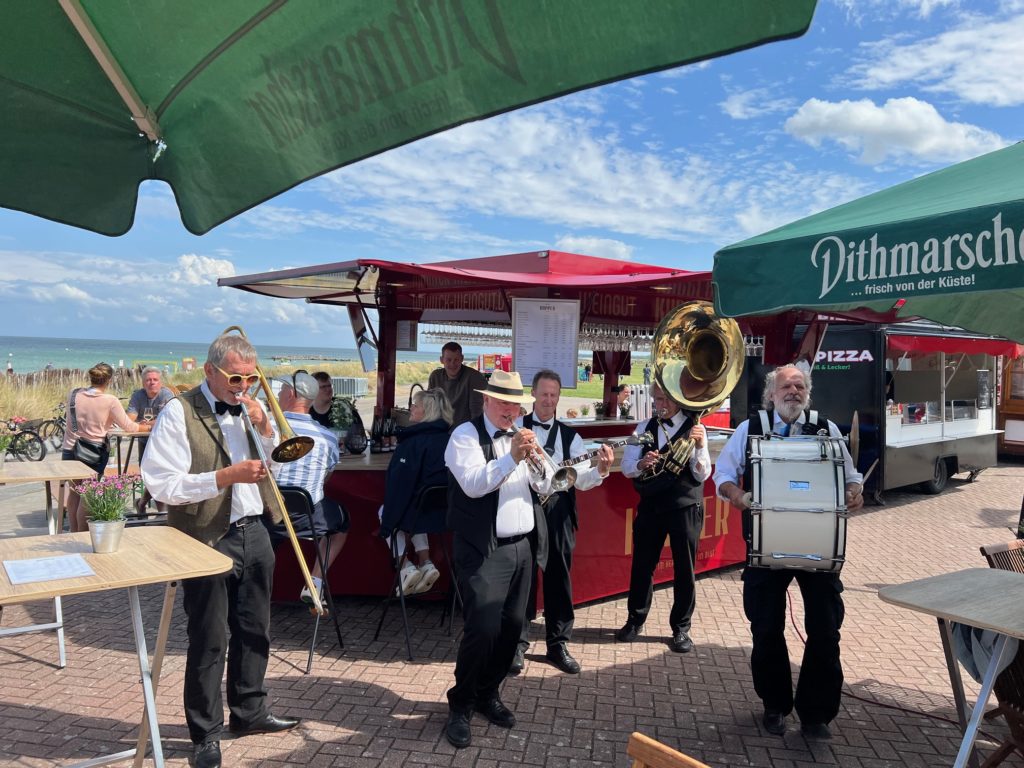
point(955, 344)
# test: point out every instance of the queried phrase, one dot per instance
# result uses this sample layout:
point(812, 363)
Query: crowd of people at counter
point(493, 442)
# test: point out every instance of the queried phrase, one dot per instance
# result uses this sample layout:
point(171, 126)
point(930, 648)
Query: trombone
point(291, 448)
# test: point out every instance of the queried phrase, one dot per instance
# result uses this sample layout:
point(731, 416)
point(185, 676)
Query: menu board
point(406, 338)
point(545, 334)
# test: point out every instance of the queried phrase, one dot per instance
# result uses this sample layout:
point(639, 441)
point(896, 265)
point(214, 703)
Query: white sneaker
point(428, 575)
point(307, 597)
point(410, 579)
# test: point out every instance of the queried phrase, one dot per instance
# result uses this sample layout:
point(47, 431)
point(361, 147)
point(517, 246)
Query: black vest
point(678, 491)
point(473, 521)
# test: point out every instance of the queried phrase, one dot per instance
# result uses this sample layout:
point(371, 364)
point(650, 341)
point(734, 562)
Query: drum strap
point(766, 426)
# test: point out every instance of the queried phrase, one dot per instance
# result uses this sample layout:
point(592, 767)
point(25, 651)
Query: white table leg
point(158, 659)
point(148, 691)
point(971, 732)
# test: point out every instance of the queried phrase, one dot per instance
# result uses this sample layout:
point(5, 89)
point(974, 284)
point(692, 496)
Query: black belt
point(244, 521)
point(510, 539)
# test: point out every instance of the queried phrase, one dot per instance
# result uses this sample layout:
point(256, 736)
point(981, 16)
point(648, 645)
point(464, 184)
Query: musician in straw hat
point(496, 529)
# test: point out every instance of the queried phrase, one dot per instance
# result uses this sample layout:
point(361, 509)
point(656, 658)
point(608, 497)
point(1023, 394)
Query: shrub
point(106, 500)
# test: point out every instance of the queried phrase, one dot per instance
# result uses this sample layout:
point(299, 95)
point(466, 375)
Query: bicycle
point(26, 444)
point(52, 430)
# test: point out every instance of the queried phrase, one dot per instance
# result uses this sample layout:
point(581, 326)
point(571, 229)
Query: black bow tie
point(221, 407)
point(502, 433)
point(545, 424)
point(666, 422)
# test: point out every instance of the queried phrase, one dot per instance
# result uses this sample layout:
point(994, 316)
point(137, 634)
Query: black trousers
point(238, 600)
point(652, 524)
point(558, 613)
point(821, 673)
point(494, 591)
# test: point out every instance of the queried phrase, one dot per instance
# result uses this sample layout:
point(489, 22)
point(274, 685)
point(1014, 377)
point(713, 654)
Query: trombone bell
point(292, 449)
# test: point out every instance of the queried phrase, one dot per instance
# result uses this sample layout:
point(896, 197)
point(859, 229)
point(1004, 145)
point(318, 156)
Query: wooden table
point(48, 472)
point(147, 556)
point(987, 598)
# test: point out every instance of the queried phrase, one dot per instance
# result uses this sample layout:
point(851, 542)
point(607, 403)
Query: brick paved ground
point(368, 706)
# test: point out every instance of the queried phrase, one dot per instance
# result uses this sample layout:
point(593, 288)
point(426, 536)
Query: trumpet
point(562, 477)
point(291, 448)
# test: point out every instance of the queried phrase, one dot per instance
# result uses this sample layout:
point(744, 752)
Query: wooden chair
point(648, 753)
point(1009, 686)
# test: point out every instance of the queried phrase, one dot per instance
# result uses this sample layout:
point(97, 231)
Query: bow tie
point(666, 422)
point(544, 424)
point(502, 433)
point(221, 408)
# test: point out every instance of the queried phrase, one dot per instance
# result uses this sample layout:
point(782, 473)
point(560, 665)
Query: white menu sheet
point(47, 569)
point(545, 334)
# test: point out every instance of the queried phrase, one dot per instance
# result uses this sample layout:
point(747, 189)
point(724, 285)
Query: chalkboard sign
point(984, 389)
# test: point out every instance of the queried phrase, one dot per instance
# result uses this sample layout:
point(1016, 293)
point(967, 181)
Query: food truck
point(922, 398)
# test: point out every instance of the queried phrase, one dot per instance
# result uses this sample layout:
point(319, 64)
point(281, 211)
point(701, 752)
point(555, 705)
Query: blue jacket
point(417, 462)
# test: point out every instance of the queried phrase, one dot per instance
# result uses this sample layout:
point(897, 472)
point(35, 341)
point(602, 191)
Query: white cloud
point(595, 246)
point(901, 130)
point(744, 105)
point(856, 9)
point(978, 62)
point(61, 292)
point(201, 270)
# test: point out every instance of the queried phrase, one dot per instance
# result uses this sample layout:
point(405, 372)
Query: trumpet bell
point(563, 480)
point(698, 357)
point(292, 449)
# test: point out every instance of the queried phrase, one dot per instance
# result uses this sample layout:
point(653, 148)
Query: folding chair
point(299, 504)
point(427, 515)
point(648, 753)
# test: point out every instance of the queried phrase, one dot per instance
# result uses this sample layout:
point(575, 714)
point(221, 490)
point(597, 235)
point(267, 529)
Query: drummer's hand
point(605, 459)
point(648, 460)
point(699, 435)
point(854, 496)
point(736, 495)
point(523, 443)
point(248, 471)
point(257, 415)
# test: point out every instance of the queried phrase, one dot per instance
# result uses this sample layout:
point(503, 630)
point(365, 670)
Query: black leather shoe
point(267, 724)
point(559, 656)
point(496, 712)
point(206, 755)
point(518, 661)
point(457, 728)
point(628, 633)
point(815, 731)
point(681, 642)
point(774, 722)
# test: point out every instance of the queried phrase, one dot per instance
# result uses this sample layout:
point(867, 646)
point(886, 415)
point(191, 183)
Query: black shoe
point(496, 712)
point(206, 755)
point(559, 656)
point(267, 724)
point(815, 731)
point(628, 633)
point(457, 728)
point(518, 661)
point(774, 722)
point(681, 642)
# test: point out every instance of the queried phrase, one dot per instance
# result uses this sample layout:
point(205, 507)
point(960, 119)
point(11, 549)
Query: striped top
point(311, 471)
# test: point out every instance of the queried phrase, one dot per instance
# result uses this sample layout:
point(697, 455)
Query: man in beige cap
point(492, 516)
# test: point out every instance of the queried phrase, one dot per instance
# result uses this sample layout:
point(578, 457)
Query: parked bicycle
point(26, 444)
point(52, 430)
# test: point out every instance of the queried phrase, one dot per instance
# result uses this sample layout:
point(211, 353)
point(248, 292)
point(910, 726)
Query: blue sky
point(663, 169)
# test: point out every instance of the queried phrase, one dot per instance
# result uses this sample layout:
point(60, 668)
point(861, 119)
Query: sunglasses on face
point(234, 379)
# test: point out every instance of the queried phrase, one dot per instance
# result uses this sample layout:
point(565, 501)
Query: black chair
point(299, 505)
point(427, 515)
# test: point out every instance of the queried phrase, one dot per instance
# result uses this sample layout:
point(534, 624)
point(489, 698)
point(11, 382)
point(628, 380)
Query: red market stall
point(620, 305)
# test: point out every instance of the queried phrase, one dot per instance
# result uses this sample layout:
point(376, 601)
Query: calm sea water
point(27, 353)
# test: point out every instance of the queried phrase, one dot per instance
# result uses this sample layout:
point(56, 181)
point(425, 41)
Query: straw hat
point(506, 385)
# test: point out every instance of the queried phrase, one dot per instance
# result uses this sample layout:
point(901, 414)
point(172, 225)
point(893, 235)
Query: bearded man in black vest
point(671, 504)
point(786, 400)
point(560, 442)
point(496, 530)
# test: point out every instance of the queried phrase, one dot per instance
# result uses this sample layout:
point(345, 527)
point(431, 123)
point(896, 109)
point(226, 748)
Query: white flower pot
point(105, 535)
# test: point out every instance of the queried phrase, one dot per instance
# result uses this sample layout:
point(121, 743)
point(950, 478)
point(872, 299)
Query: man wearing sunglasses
point(203, 462)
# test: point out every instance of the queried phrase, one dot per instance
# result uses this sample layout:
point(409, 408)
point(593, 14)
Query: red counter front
point(601, 561)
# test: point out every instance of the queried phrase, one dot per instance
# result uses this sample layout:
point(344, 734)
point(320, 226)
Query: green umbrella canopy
point(236, 101)
point(948, 246)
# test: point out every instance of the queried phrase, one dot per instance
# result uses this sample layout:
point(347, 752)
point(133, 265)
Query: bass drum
point(798, 510)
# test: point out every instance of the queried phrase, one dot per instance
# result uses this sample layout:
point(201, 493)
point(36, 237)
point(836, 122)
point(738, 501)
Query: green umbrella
point(948, 246)
point(235, 101)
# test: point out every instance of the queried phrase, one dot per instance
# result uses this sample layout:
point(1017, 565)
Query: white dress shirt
point(732, 461)
point(587, 476)
point(167, 461)
point(477, 478)
point(700, 459)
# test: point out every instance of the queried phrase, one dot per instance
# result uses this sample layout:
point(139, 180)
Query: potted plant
point(599, 409)
point(585, 410)
point(106, 501)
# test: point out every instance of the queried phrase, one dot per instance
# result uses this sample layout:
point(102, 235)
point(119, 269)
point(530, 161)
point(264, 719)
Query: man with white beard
point(787, 396)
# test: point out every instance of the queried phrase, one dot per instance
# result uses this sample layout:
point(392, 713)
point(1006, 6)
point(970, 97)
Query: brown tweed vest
point(208, 520)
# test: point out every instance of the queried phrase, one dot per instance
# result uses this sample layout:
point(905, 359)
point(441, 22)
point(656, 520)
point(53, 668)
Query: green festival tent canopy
point(234, 101)
point(948, 246)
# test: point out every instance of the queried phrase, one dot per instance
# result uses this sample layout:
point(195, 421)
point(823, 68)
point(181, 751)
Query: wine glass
point(148, 415)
